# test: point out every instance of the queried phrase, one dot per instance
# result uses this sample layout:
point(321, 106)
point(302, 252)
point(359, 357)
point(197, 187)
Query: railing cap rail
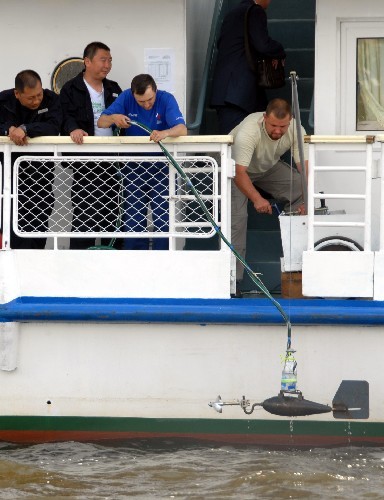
point(340, 139)
point(193, 139)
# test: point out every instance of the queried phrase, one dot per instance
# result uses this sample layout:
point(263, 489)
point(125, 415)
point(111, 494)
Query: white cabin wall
point(329, 14)
point(198, 22)
point(38, 34)
point(335, 95)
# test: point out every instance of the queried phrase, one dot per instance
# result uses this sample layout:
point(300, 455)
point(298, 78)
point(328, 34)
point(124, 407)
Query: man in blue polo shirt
point(145, 183)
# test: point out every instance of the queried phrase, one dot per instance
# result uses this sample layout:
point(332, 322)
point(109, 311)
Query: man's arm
point(244, 183)
point(106, 121)
point(176, 131)
point(259, 36)
point(173, 119)
point(18, 136)
point(122, 121)
point(70, 125)
point(69, 110)
point(9, 123)
point(115, 114)
point(50, 120)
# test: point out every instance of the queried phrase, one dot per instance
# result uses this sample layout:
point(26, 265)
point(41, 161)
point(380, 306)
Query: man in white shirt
point(259, 142)
point(95, 189)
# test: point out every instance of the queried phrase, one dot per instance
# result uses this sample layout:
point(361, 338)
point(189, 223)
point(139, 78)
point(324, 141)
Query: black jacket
point(46, 120)
point(233, 81)
point(77, 105)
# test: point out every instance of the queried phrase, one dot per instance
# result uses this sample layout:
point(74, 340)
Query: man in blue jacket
point(235, 93)
point(146, 184)
point(26, 111)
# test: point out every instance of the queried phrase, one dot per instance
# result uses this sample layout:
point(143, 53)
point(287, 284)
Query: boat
point(117, 345)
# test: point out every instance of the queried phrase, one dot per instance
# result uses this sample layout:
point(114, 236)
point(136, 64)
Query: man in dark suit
point(234, 90)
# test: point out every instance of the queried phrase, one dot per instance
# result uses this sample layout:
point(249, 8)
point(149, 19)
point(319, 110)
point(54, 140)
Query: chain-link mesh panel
point(34, 194)
point(134, 195)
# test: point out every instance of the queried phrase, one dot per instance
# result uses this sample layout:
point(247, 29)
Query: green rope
point(253, 276)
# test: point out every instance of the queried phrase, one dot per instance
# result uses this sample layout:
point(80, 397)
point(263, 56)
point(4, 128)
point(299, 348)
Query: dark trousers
point(229, 117)
point(146, 185)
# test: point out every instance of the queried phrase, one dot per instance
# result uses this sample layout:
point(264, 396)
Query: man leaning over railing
point(28, 110)
point(145, 184)
point(259, 141)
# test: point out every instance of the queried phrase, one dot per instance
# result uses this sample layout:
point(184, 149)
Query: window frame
point(350, 32)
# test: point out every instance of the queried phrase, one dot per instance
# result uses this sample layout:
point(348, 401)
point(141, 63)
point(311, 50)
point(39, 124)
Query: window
point(361, 57)
point(370, 84)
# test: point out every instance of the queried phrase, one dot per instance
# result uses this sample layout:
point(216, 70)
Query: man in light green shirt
point(259, 142)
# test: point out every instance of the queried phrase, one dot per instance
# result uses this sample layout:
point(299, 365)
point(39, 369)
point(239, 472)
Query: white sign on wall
point(160, 64)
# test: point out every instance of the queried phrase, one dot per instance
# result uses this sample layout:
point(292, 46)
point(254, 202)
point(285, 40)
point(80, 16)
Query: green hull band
point(32, 429)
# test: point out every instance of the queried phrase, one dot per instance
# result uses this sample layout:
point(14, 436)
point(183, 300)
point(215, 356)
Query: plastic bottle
point(289, 373)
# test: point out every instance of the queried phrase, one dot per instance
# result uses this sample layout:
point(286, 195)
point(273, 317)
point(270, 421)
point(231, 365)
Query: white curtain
point(370, 64)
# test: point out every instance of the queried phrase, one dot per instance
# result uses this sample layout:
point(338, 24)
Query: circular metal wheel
point(337, 244)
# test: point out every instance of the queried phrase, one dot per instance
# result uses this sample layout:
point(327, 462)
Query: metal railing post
point(381, 248)
point(311, 192)
point(7, 197)
point(368, 201)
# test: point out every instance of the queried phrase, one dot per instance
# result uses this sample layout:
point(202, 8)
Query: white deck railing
point(340, 273)
point(96, 203)
point(334, 144)
point(380, 140)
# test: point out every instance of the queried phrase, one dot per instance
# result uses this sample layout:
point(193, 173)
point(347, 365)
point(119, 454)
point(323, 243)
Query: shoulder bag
point(270, 75)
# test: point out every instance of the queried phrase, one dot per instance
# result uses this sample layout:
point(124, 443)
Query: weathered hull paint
point(288, 433)
point(130, 369)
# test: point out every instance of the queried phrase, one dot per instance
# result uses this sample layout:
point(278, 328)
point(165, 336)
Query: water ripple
point(173, 470)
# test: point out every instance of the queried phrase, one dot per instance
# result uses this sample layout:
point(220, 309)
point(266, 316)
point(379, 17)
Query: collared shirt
point(254, 149)
point(164, 114)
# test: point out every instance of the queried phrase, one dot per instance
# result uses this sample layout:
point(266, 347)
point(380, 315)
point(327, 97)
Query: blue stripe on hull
point(201, 311)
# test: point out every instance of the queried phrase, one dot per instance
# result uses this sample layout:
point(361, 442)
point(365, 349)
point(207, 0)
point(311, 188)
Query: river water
point(168, 470)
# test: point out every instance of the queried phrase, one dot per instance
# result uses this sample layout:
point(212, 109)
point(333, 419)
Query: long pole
point(300, 140)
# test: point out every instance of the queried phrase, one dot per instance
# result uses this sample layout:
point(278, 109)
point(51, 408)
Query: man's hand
point(302, 210)
point(106, 121)
point(262, 206)
point(18, 136)
point(244, 183)
point(77, 135)
point(158, 135)
point(176, 131)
